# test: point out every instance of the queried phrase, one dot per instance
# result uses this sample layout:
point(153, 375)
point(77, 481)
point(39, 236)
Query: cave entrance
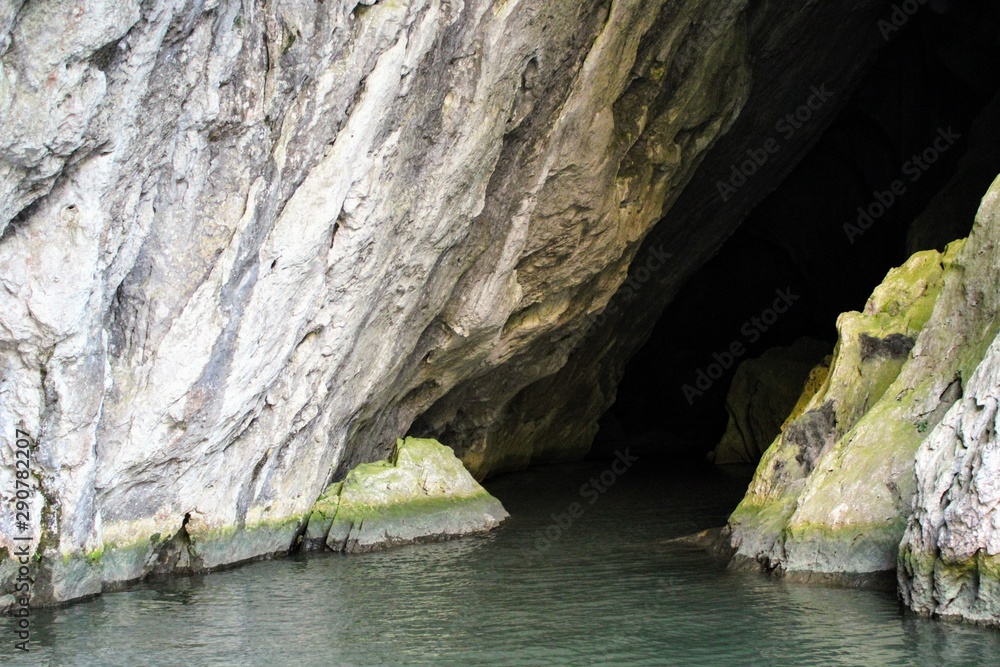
point(854, 207)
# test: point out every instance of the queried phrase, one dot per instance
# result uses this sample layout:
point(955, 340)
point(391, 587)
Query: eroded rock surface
point(555, 416)
point(949, 562)
point(831, 493)
point(833, 504)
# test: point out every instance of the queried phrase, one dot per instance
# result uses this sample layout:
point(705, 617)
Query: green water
point(606, 591)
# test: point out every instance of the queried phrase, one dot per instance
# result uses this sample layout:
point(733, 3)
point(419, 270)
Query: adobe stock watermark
point(913, 170)
point(902, 12)
point(752, 330)
point(591, 491)
point(786, 128)
point(21, 539)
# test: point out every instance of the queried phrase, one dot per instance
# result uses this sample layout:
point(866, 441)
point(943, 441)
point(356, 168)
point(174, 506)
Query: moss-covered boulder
point(763, 393)
point(422, 493)
point(831, 495)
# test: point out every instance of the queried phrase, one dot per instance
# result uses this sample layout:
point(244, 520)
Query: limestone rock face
point(246, 245)
point(764, 394)
point(949, 562)
point(422, 493)
point(509, 417)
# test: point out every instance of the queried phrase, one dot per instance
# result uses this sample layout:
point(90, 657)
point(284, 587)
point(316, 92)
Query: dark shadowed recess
point(809, 242)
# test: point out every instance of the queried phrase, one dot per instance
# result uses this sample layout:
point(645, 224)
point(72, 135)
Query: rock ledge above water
point(422, 493)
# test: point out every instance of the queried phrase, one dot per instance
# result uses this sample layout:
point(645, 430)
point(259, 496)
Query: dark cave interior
point(935, 81)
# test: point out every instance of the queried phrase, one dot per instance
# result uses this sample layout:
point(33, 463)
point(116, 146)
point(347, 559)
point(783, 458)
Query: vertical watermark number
point(21, 553)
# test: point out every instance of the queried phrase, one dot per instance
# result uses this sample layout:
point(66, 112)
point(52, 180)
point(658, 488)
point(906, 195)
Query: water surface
point(605, 590)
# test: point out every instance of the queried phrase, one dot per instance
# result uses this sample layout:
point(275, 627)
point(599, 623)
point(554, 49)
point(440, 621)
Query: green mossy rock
point(830, 495)
point(423, 493)
point(893, 466)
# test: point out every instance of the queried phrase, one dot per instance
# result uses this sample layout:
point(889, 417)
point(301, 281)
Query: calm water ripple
point(606, 590)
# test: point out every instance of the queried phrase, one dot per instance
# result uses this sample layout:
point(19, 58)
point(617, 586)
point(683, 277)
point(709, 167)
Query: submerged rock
point(422, 493)
point(764, 392)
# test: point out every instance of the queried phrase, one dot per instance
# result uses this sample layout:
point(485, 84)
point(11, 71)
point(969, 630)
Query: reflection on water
point(602, 589)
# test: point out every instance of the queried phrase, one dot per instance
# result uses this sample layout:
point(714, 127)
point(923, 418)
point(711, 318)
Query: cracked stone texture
point(245, 246)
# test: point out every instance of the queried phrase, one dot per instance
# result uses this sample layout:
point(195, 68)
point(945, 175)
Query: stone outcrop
point(246, 246)
point(833, 496)
point(831, 493)
point(422, 493)
point(765, 393)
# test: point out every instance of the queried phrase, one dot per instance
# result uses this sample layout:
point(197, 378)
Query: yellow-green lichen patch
point(904, 301)
point(213, 546)
point(969, 588)
point(131, 549)
point(854, 547)
point(815, 383)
